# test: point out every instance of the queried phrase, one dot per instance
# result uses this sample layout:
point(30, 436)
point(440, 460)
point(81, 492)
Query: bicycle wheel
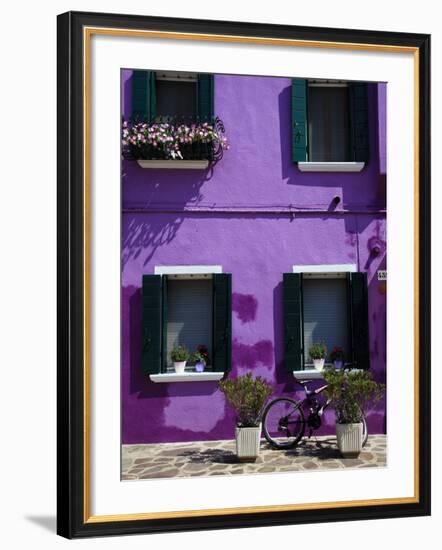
point(283, 423)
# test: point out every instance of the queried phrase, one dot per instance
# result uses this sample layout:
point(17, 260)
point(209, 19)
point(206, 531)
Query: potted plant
point(351, 392)
point(171, 140)
point(337, 357)
point(247, 395)
point(201, 358)
point(179, 356)
point(318, 353)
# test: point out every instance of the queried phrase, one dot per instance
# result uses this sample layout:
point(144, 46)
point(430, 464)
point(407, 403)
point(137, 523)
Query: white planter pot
point(349, 439)
point(179, 366)
point(247, 443)
point(319, 364)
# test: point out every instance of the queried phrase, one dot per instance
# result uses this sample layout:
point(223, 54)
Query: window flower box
point(173, 143)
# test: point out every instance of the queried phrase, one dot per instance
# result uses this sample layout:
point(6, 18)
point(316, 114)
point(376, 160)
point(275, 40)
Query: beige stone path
point(211, 458)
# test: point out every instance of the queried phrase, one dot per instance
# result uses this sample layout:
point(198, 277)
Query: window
point(190, 310)
point(329, 121)
point(325, 307)
point(176, 95)
point(164, 95)
point(189, 319)
point(325, 313)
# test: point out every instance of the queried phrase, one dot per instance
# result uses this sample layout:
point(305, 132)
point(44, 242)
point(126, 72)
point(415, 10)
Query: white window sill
point(308, 374)
point(314, 374)
point(186, 377)
point(174, 164)
point(331, 166)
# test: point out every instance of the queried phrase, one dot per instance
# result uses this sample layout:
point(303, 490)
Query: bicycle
point(284, 422)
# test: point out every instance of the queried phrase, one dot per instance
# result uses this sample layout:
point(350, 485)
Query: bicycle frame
point(299, 415)
point(315, 409)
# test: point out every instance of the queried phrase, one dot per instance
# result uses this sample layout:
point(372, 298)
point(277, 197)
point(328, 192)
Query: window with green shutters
point(327, 308)
point(329, 121)
point(161, 95)
point(186, 310)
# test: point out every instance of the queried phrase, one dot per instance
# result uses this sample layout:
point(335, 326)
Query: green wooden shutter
point(151, 324)
point(299, 120)
point(222, 322)
point(152, 96)
point(359, 122)
point(143, 95)
point(205, 97)
point(359, 320)
point(293, 322)
point(164, 319)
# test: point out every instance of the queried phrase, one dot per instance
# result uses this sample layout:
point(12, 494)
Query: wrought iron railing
point(172, 137)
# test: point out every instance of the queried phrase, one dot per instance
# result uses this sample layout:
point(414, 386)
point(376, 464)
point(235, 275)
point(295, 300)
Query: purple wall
point(256, 215)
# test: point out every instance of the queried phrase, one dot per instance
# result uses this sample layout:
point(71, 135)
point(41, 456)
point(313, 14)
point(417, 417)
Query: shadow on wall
point(146, 237)
point(378, 316)
point(378, 351)
point(345, 185)
point(146, 406)
point(139, 382)
point(146, 192)
point(283, 378)
point(377, 247)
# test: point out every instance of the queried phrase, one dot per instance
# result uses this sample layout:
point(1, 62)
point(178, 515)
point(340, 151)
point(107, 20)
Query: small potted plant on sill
point(201, 358)
point(337, 357)
point(318, 353)
point(351, 392)
point(179, 356)
point(248, 396)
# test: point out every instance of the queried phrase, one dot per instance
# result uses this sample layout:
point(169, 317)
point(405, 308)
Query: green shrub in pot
point(248, 396)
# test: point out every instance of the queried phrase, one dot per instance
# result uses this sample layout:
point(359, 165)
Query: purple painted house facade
point(256, 214)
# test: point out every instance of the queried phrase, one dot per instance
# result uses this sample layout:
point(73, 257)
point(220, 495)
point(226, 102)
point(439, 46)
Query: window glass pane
point(189, 314)
point(325, 314)
point(328, 122)
point(175, 98)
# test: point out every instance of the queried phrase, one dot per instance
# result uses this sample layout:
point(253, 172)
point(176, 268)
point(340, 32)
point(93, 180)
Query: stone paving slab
point(213, 458)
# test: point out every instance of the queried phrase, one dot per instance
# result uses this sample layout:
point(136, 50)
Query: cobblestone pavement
point(211, 458)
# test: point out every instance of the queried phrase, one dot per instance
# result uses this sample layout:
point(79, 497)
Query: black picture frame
point(73, 519)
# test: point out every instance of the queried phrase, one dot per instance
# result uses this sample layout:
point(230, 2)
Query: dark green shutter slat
point(152, 96)
point(143, 95)
point(359, 122)
point(222, 322)
point(164, 319)
point(151, 324)
point(292, 297)
point(359, 320)
point(205, 97)
point(299, 120)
